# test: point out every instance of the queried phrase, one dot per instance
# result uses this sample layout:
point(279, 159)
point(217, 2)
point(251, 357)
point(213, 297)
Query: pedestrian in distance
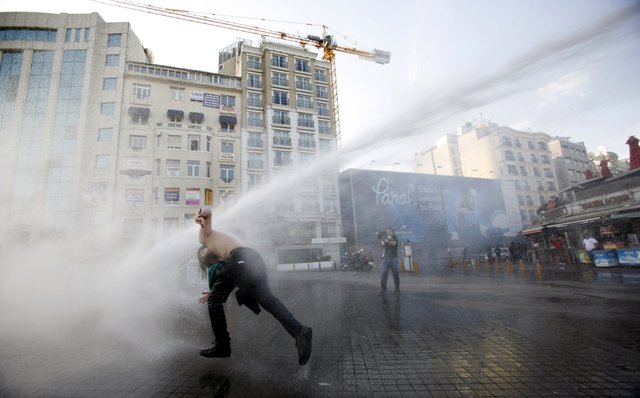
point(590, 244)
point(389, 243)
point(241, 267)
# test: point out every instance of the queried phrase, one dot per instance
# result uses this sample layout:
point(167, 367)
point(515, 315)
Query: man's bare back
point(218, 243)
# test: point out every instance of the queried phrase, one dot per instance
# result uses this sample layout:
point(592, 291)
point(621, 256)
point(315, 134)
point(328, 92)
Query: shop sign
point(606, 201)
point(629, 256)
point(197, 96)
point(172, 194)
point(211, 100)
point(192, 197)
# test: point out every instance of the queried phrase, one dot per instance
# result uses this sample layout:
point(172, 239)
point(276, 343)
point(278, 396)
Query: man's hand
point(202, 216)
point(204, 298)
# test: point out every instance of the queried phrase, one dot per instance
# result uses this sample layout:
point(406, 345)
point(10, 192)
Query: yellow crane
point(326, 42)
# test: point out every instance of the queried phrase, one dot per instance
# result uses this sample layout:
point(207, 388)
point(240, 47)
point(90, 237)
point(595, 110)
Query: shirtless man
point(243, 268)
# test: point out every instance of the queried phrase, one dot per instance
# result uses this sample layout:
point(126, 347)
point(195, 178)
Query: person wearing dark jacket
point(389, 242)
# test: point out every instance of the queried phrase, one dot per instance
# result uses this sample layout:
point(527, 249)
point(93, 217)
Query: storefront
point(607, 209)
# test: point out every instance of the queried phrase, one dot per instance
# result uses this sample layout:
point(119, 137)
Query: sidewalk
point(449, 333)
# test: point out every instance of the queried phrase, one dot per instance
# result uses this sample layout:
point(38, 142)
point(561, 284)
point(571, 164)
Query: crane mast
point(327, 42)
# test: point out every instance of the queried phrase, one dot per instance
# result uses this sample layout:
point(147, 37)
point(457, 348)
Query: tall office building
point(56, 75)
point(287, 123)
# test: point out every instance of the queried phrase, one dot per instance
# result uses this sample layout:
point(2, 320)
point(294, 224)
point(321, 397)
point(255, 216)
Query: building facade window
point(226, 147)
point(303, 83)
point(281, 137)
point(141, 92)
point(325, 146)
point(281, 117)
point(254, 119)
point(324, 127)
point(194, 142)
point(320, 75)
point(207, 169)
point(306, 141)
point(112, 60)
point(114, 40)
point(302, 65)
point(304, 101)
point(105, 134)
point(254, 180)
point(279, 61)
point(511, 170)
point(254, 62)
point(255, 140)
point(174, 141)
point(103, 161)
point(228, 101)
point(321, 92)
point(254, 81)
point(110, 83)
point(280, 79)
point(305, 120)
point(193, 168)
point(227, 172)
point(173, 167)
point(508, 155)
point(107, 108)
point(282, 159)
point(254, 99)
point(281, 97)
point(323, 109)
point(176, 93)
point(137, 142)
point(255, 161)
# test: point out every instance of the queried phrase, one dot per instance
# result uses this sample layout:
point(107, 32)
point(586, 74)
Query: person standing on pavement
point(389, 243)
point(590, 243)
point(241, 267)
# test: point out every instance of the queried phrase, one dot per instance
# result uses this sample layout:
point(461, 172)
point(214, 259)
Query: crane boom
point(325, 42)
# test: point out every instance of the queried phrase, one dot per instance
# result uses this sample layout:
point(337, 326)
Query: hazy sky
point(566, 68)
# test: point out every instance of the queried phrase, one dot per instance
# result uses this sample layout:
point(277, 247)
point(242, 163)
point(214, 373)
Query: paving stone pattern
point(451, 333)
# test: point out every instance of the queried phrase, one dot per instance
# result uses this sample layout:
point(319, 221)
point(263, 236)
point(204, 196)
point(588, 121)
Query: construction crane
point(326, 42)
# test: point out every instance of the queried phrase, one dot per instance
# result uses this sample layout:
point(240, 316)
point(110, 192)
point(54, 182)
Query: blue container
point(629, 256)
point(605, 258)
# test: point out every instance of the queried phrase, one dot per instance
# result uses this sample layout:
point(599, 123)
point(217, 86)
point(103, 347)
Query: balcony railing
point(281, 141)
point(281, 120)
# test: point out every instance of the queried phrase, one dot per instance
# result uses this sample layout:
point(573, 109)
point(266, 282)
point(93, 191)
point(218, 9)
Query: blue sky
point(553, 66)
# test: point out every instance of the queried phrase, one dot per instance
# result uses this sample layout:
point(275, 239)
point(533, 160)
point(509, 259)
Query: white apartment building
point(570, 161)
point(288, 122)
point(492, 151)
point(178, 148)
point(56, 75)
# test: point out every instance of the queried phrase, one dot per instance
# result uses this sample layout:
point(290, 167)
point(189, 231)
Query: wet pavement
point(468, 330)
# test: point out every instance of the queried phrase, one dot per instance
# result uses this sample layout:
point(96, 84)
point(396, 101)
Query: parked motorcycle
point(360, 261)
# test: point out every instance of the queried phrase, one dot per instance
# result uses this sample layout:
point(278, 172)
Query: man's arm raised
point(203, 218)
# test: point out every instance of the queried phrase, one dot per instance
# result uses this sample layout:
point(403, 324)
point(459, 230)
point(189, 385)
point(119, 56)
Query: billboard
point(432, 212)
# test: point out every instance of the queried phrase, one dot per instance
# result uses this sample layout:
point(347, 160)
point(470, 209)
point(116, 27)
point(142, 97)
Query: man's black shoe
point(216, 352)
point(303, 344)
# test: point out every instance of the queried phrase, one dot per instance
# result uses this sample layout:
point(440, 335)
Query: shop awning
point(632, 214)
point(228, 119)
point(196, 116)
point(136, 110)
point(532, 230)
point(175, 113)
